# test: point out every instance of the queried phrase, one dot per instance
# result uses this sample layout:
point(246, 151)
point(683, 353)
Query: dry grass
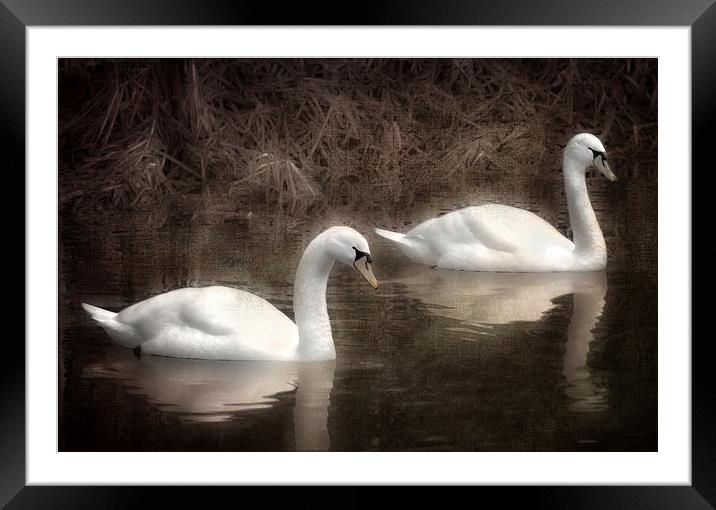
point(222, 137)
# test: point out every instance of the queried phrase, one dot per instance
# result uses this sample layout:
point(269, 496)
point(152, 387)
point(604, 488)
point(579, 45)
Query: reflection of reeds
point(218, 134)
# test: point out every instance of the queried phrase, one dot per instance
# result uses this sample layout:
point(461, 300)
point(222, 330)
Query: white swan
point(231, 324)
point(502, 238)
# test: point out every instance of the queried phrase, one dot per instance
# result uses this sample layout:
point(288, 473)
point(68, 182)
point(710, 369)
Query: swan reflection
point(214, 391)
point(481, 301)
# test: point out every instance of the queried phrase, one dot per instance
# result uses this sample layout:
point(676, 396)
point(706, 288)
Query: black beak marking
point(596, 154)
point(361, 254)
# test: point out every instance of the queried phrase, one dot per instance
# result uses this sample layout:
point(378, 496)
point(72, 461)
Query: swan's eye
point(596, 153)
point(361, 254)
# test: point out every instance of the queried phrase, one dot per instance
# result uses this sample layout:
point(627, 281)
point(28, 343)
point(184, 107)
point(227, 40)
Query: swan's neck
point(315, 341)
point(586, 234)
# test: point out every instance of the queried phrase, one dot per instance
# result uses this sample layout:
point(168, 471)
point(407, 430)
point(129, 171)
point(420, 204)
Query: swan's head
point(349, 247)
point(588, 149)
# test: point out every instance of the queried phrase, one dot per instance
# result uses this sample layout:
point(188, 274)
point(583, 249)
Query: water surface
point(432, 360)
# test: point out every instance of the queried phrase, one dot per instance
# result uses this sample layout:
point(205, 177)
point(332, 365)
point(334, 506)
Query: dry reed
point(225, 136)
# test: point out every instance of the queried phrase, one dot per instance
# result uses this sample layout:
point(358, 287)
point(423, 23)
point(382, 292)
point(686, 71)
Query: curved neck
point(315, 341)
point(586, 234)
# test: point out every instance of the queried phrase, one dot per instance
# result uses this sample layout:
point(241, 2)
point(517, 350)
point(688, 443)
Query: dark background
point(179, 172)
point(373, 140)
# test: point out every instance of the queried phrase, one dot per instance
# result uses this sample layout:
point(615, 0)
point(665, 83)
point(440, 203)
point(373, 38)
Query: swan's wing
point(211, 311)
point(496, 227)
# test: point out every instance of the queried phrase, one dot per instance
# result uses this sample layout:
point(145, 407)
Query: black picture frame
point(700, 15)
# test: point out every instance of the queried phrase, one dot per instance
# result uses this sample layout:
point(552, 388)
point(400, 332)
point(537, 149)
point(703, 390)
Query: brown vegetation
point(218, 137)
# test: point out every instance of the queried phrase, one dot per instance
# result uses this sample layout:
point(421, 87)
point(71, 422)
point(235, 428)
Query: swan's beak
point(363, 267)
point(601, 163)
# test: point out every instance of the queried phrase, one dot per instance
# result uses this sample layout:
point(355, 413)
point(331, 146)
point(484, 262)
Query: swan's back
point(212, 323)
point(494, 226)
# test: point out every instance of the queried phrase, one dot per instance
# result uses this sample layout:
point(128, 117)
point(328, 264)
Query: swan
point(502, 238)
point(223, 323)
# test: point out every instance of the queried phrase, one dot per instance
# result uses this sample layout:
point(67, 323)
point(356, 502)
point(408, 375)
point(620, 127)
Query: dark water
point(432, 360)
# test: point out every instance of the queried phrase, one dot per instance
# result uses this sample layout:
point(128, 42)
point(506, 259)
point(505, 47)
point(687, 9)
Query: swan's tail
point(414, 247)
point(396, 237)
point(122, 334)
point(98, 314)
